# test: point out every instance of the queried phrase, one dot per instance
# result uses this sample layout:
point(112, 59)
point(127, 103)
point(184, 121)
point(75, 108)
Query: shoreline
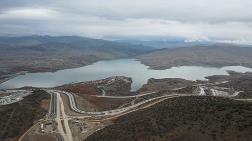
point(8, 77)
point(11, 76)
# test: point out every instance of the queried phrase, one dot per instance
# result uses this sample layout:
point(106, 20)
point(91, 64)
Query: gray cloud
point(225, 20)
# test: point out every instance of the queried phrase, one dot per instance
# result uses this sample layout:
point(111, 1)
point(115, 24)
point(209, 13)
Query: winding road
point(140, 101)
point(73, 105)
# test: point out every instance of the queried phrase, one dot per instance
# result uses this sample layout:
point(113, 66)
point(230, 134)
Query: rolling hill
point(48, 53)
point(210, 55)
point(183, 119)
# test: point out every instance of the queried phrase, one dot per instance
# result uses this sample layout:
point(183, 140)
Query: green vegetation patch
point(183, 119)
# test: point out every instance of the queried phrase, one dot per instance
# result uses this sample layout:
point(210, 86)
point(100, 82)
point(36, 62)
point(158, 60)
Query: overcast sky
point(210, 20)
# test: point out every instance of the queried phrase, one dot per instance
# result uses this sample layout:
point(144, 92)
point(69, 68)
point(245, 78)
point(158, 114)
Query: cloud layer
point(225, 20)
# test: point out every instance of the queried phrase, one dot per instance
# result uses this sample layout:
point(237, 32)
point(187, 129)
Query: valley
point(125, 70)
point(134, 97)
point(49, 53)
point(139, 74)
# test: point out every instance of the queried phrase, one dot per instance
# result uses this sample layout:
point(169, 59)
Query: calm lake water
point(123, 67)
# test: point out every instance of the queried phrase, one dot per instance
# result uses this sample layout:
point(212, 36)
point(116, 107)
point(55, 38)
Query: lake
point(123, 67)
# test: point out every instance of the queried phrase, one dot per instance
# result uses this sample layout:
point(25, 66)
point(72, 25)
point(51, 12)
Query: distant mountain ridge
point(177, 43)
point(38, 40)
point(169, 43)
point(216, 55)
point(51, 53)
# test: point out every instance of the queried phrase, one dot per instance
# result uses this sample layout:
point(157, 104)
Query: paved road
point(104, 115)
point(109, 114)
point(248, 99)
point(57, 108)
point(68, 132)
point(58, 120)
point(57, 111)
point(74, 107)
point(132, 96)
point(53, 105)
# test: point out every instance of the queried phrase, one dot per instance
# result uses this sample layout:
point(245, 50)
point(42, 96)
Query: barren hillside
point(214, 55)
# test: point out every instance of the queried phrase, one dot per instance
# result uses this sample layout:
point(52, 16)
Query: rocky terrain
point(112, 86)
point(218, 55)
point(16, 118)
point(237, 81)
point(183, 119)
